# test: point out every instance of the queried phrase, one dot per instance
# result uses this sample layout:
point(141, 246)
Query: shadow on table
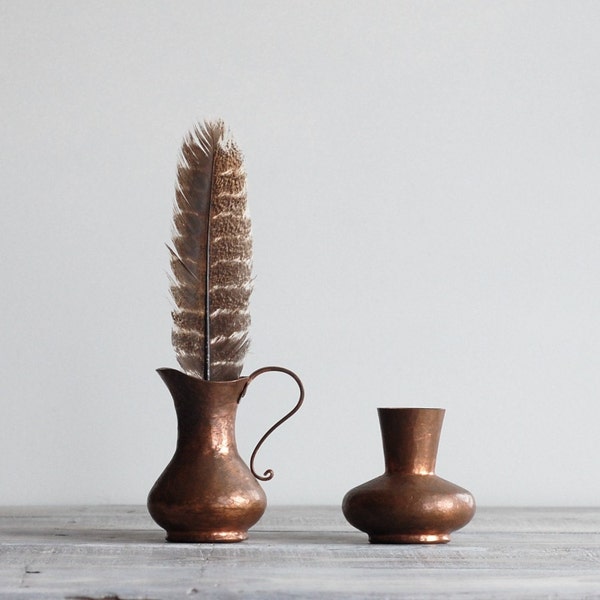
point(60, 536)
point(334, 538)
point(88, 536)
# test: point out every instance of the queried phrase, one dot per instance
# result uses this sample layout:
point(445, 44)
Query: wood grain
point(117, 552)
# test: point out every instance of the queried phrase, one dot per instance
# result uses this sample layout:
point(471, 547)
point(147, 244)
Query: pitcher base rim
point(207, 537)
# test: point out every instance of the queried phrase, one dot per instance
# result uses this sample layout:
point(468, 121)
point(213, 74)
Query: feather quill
point(211, 256)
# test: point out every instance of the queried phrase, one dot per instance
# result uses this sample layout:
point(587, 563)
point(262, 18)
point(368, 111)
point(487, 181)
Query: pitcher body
point(206, 493)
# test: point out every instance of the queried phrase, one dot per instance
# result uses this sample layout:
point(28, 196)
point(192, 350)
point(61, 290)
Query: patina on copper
point(409, 503)
point(207, 493)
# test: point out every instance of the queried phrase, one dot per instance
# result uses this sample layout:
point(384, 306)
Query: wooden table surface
point(117, 552)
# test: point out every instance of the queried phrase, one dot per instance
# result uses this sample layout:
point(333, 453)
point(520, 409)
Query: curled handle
point(268, 474)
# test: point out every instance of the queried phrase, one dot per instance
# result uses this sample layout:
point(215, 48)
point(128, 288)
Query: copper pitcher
point(409, 503)
point(207, 493)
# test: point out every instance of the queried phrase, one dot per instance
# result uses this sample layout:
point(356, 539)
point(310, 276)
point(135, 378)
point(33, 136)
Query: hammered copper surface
point(409, 503)
point(206, 493)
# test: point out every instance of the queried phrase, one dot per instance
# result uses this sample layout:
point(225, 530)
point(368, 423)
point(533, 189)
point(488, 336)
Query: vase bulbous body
point(206, 493)
point(409, 503)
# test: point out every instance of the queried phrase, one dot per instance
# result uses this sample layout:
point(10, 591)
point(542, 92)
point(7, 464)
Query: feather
point(211, 256)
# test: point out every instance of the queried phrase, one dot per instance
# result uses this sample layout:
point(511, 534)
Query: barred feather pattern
point(211, 256)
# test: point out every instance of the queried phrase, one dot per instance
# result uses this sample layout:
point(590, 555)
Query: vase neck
point(410, 438)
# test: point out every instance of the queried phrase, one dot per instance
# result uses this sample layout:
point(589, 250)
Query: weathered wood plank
point(295, 552)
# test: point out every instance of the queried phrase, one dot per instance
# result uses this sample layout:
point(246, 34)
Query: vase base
point(410, 538)
point(206, 537)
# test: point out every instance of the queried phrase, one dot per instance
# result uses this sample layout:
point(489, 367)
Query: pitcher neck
point(410, 438)
point(206, 410)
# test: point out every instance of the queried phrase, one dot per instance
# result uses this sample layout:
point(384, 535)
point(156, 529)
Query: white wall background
point(424, 183)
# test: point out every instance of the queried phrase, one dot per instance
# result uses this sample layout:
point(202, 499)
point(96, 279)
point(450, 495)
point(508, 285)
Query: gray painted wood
point(296, 552)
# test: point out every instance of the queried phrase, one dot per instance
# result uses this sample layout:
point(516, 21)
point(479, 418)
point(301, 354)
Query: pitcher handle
point(268, 474)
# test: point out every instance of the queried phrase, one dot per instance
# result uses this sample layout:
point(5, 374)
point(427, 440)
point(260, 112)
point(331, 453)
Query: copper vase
point(409, 503)
point(207, 493)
